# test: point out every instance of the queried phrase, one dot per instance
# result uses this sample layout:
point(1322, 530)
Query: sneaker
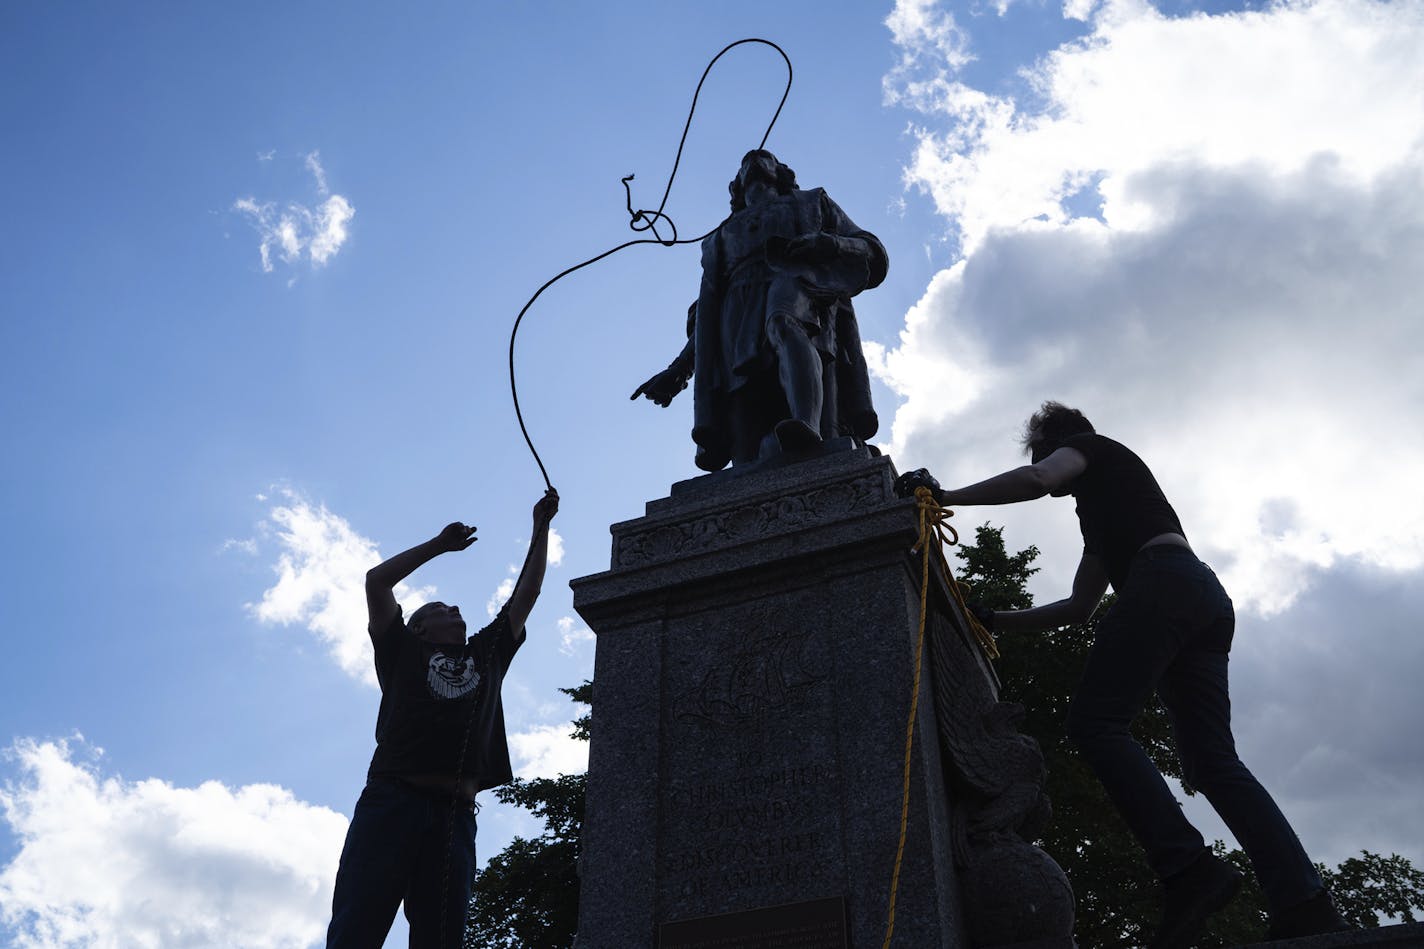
point(1315, 916)
point(1191, 897)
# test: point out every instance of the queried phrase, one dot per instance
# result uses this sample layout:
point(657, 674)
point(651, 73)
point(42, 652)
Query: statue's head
point(438, 623)
point(760, 163)
point(1046, 430)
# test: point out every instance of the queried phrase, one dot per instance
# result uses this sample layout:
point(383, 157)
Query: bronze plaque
point(814, 924)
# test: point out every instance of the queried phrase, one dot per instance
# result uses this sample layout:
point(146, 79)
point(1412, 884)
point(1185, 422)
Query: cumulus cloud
point(1284, 85)
point(106, 863)
point(291, 231)
point(1241, 307)
point(1205, 231)
point(547, 751)
point(320, 584)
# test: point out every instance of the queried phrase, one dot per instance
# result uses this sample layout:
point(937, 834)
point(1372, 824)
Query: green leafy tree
point(1118, 896)
point(1369, 886)
point(527, 897)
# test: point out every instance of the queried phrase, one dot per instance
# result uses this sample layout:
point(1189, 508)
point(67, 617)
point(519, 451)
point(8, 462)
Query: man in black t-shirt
point(439, 741)
point(1170, 632)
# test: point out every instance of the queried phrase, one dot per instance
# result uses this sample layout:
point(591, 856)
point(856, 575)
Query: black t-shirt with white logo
point(1120, 505)
point(432, 693)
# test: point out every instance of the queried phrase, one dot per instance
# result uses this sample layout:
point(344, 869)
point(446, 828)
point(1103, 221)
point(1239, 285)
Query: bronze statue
point(773, 348)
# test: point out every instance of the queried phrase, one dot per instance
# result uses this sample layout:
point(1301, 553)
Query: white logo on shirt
point(452, 676)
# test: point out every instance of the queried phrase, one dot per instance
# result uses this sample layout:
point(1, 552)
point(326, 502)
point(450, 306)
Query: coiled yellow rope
point(934, 525)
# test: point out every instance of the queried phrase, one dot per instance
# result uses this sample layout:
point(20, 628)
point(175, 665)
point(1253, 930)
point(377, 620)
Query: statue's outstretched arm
point(664, 386)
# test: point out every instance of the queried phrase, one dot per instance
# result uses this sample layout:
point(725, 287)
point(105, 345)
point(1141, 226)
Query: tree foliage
point(527, 897)
point(1369, 886)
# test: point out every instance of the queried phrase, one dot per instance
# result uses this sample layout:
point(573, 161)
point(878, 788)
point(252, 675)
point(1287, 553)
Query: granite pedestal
point(755, 656)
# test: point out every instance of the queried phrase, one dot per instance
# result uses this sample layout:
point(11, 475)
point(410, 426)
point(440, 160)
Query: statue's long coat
point(739, 261)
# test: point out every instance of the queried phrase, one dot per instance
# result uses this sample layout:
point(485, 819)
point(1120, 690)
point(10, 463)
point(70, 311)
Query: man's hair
point(416, 618)
point(1053, 423)
point(785, 178)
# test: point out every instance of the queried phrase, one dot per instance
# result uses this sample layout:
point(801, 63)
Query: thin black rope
point(641, 221)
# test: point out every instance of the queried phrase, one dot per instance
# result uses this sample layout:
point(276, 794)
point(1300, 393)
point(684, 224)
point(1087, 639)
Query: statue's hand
point(663, 387)
point(812, 248)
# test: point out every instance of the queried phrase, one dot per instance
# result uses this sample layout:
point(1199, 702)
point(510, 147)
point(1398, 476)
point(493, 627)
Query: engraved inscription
point(772, 664)
point(777, 515)
point(749, 810)
point(752, 830)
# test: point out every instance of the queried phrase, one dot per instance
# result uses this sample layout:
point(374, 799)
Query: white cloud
point(313, 163)
point(321, 581)
point(247, 545)
point(932, 47)
point(501, 593)
point(110, 864)
point(505, 589)
point(547, 751)
point(1243, 312)
point(572, 635)
point(295, 231)
point(329, 228)
point(1274, 88)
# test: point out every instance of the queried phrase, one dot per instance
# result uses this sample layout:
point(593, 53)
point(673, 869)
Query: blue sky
point(1202, 224)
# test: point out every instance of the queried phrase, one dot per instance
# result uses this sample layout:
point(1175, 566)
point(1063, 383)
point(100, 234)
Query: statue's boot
point(795, 435)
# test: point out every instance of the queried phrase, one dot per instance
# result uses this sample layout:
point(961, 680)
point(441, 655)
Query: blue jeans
point(1170, 631)
point(395, 851)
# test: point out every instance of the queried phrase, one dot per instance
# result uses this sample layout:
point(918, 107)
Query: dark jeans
point(395, 851)
point(1170, 631)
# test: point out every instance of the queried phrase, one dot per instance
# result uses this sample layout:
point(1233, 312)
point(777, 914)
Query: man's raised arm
point(531, 578)
point(381, 579)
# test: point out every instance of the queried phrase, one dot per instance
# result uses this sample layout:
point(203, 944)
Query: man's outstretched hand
point(663, 387)
point(906, 484)
point(456, 536)
point(546, 508)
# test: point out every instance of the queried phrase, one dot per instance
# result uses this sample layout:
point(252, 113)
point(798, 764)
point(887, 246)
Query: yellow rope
point(933, 523)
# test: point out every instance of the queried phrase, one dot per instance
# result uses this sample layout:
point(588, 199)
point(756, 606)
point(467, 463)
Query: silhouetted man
point(1169, 631)
point(439, 741)
point(773, 343)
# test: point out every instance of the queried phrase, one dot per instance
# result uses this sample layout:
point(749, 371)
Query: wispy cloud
point(290, 232)
point(573, 635)
point(505, 589)
point(107, 863)
point(502, 593)
point(313, 163)
point(932, 49)
point(321, 581)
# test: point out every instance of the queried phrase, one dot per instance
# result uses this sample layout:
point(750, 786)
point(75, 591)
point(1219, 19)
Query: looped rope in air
point(641, 221)
point(935, 533)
